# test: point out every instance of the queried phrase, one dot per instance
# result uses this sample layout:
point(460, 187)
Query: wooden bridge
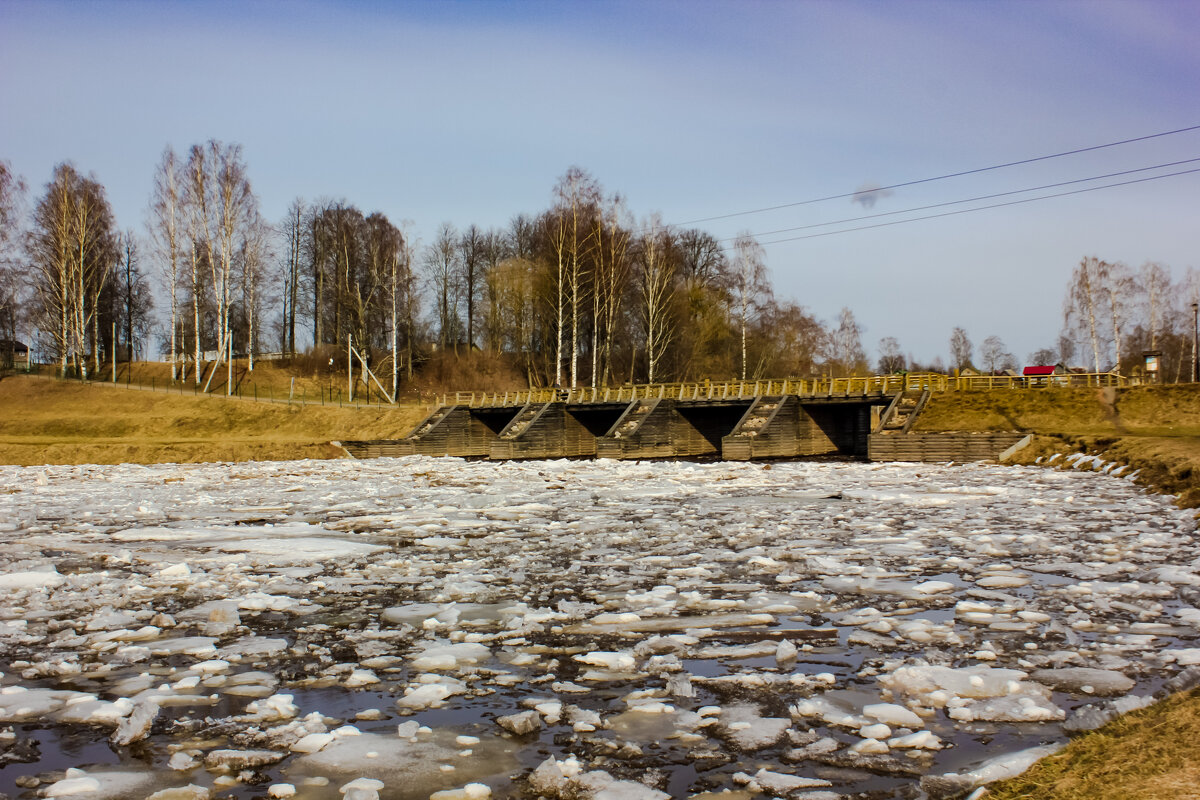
point(738, 420)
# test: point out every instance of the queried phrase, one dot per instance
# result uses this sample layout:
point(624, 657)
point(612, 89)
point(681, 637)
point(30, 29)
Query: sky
point(468, 112)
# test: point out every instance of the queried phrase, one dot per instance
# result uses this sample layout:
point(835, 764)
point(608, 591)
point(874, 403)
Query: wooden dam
point(857, 418)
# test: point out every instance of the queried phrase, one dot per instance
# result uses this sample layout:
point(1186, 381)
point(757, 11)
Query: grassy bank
point(1153, 429)
point(1149, 754)
point(44, 421)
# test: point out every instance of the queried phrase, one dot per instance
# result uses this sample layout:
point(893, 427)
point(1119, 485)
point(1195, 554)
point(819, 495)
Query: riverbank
point(1154, 430)
point(44, 421)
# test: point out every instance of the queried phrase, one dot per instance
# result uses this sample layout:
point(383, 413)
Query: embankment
point(44, 421)
point(1153, 429)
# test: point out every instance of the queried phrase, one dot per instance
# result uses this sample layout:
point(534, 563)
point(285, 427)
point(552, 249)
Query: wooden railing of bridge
point(878, 385)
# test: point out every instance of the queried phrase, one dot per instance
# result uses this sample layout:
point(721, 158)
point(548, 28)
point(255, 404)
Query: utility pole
point(1195, 337)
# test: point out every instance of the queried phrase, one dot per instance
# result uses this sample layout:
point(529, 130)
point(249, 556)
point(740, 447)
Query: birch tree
point(656, 273)
point(1084, 306)
point(12, 192)
point(293, 230)
point(891, 357)
point(1155, 291)
point(609, 279)
point(578, 195)
point(750, 287)
point(73, 246)
point(846, 349)
point(1120, 291)
point(165, 224)
point(960, 349)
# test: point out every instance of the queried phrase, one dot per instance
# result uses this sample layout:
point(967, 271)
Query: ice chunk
point(522, 723)
point(241, 759)
point(995, 769)
point(431, 694)
point(47, 578)
point(617, 662)
point(780, 784)
point(137, 724)
point(361, 789)
point(472, 791)
point(446, 656)
point(744, 728)
point(892, 714)
point(72, 786)
point(360, 677)
point(1100, 682)
point(933, 587)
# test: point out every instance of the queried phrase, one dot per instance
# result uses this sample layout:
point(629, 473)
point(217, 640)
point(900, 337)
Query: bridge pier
point(555, 430)
point(451, 430)
point(669, 428)
point(785, 427)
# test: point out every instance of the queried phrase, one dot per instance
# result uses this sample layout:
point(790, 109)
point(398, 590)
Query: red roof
point(1036, 371)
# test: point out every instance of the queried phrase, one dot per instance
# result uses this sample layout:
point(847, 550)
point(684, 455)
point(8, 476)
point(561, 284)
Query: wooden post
point(349, 368)
point(114, 349)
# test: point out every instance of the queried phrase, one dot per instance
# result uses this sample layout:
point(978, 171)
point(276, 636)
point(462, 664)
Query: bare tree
point(441, 269)
point(578, 196)
point(994, 353)
point(12, 192)
point(1044, 357)
point(1155, 289)
point(73, 245)
point(891, 358)
point(1120, 288)
point(960, 349)
point(846, 349)
point(252, 258)
point(294, 228)
point(1084, 305)
point(750, 286)
point(609, 279)
point(656, 273)
point(134, 299)
point(471, 262)
point(165, 223)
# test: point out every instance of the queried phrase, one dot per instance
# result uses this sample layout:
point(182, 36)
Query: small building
point(1043, 374)
point(13, 353)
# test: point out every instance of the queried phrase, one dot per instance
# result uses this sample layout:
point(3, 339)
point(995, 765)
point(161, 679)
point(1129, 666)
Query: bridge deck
point(828, 389)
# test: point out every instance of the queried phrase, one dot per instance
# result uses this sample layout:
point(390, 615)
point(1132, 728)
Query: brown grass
point(1150, 754)
point(43, 421)
point(1143, 410)
point(1153, 429)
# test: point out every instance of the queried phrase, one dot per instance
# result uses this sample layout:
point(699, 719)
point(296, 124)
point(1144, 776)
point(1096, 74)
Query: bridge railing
point(805, 387)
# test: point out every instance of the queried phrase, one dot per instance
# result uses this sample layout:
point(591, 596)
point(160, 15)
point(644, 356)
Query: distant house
point(13, 353)
point(1051, 369)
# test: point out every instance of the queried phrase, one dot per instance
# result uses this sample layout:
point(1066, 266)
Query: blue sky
point(469, 111)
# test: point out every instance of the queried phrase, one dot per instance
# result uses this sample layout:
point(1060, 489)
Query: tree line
point(580, 293)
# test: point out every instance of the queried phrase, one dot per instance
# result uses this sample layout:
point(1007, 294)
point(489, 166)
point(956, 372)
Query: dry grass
point(1143, 410)
point(1151, 754)
point(1153, 429)
point(43, 421)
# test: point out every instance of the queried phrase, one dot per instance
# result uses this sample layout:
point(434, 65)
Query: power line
point(970, 199)
point(983, 208)
point(940, 177)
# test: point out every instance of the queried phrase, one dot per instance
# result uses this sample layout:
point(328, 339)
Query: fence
point(880, 385)
point(875, 386)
